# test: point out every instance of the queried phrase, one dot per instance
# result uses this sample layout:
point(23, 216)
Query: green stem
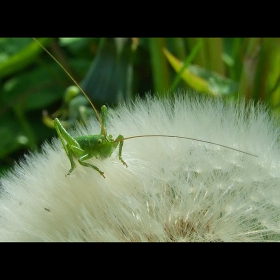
point(214, 55)
point(159, 66)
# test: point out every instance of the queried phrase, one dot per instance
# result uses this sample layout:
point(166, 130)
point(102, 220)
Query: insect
point(100, 145)
point(85, 147)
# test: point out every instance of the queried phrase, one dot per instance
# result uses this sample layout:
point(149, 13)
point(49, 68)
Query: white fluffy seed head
point(173, 189)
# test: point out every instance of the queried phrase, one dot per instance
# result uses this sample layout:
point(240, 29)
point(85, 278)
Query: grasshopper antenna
point(188, 138)
point(96, 112)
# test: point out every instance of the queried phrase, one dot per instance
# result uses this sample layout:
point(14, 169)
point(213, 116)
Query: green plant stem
point(159, 66)
point(250, 62)
point(214, 50)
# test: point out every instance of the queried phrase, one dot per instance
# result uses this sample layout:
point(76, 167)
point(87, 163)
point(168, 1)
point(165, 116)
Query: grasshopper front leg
point(120, 139)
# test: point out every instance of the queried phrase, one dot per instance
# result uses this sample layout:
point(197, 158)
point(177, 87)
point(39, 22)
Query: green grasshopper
point(85, 147)
point(101, 145)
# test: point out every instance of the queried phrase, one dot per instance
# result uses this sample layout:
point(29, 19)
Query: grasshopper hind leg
point(71, 158)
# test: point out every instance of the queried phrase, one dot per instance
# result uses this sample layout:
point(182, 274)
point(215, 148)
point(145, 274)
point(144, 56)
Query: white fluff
point(172, 190)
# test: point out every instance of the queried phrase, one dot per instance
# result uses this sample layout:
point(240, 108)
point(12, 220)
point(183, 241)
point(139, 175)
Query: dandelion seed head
point(173, 189)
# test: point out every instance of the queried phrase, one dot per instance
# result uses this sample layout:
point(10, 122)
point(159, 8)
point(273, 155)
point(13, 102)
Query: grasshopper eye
point(99, 141)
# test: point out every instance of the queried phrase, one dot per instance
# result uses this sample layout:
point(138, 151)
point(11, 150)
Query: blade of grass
point(186, 63)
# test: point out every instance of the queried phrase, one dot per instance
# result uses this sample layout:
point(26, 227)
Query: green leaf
point(10, 132)
point(216, 83)
point(18, 61)
point(109, 79)
point(31, 90)
point(201, 79)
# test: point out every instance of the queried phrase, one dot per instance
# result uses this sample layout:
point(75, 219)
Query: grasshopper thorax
point(97, 145)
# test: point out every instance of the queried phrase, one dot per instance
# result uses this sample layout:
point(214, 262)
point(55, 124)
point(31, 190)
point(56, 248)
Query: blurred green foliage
point(34, 88)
